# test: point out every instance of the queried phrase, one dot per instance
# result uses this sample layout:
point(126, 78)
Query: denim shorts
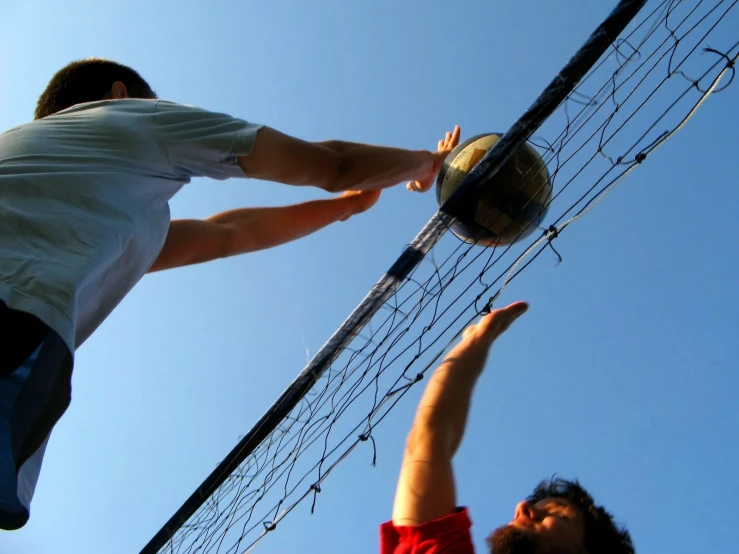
point(35, 391)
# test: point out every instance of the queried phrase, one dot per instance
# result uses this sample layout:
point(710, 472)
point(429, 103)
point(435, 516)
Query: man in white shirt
point(84, 191)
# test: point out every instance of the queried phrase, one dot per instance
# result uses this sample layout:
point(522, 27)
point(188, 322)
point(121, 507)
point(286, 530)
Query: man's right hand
point(444, 147)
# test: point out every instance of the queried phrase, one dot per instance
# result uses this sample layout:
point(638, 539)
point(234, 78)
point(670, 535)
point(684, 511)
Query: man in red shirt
point(560, 517)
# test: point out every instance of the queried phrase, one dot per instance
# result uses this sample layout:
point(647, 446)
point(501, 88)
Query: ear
point(118, 91)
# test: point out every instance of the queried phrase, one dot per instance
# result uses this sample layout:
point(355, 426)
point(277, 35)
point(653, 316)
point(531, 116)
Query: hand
point(449, 143)
point(479, 337)
point(359, 201)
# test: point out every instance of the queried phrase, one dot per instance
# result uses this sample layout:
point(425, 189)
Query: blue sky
point(622, 374)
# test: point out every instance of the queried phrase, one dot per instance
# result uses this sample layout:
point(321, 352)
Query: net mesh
point(651, 82)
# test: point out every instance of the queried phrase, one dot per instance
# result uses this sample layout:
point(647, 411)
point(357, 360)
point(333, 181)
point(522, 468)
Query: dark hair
point(88, 81)
point(602, 535)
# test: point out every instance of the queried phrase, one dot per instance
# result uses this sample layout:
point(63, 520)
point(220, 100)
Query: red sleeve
point(447, 535)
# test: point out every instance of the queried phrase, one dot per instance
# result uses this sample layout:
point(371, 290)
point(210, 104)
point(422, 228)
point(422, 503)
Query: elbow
point(340, 176)
point(234, 241)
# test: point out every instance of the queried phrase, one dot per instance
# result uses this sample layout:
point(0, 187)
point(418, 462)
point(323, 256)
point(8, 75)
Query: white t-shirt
point(84, 201)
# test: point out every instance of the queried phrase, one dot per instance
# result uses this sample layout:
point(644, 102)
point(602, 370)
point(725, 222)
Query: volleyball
point(507, 209)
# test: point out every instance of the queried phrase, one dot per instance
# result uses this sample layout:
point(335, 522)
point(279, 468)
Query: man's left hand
point(359, 201)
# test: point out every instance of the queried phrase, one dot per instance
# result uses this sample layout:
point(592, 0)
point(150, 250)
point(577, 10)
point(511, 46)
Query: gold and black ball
point(507, 209)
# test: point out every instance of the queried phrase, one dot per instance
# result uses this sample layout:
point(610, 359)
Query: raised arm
point(426, 489)
point(339, 166)
point(330, 165)
point(193, 241)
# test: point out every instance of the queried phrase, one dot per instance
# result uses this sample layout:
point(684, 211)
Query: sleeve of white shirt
point(201, 143)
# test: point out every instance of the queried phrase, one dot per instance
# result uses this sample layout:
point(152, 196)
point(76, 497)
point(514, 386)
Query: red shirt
point(447, 535)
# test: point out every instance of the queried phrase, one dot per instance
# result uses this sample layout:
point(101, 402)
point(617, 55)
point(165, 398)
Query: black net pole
point(517, 135)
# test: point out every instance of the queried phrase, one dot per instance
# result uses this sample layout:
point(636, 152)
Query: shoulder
point(167, 113)
point(101, 108)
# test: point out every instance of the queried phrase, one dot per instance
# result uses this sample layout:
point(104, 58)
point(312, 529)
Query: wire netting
point(648, 85)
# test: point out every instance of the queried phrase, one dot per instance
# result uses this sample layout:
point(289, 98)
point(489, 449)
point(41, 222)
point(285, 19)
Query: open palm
point(444, 147)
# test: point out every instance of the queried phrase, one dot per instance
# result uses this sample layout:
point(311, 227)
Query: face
point(551, 526)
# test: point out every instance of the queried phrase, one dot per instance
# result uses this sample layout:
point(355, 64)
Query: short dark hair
point(602, 535)
point(88, 81)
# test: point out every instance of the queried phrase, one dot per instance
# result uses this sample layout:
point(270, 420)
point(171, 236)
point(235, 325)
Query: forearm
point(254, 229)
point(426, 489)
point(368, 167)
point(441, 416)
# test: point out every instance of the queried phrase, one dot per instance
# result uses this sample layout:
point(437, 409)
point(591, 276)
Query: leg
point(34, 393)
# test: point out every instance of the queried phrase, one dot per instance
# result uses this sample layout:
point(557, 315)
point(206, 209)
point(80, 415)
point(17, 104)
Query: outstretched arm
point(337, 166)
point(192, 241)
point(426, 489)
point(359, 169)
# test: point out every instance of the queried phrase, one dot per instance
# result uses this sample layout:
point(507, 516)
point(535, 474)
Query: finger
point(498, 321)
point(440, 145)
point(447, 138)
point(455, 135)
